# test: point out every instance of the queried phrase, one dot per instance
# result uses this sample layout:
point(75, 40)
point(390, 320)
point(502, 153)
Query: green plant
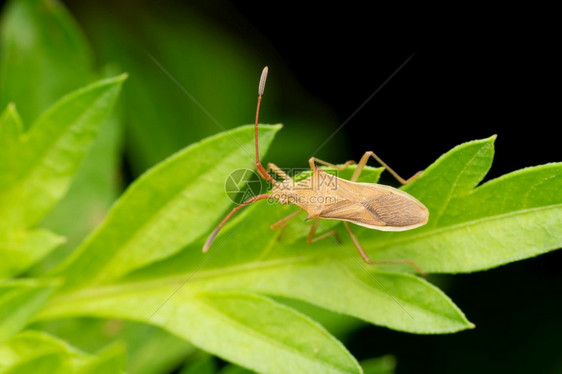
point(143, 262)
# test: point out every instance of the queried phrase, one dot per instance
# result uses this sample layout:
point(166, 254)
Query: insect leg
point(282, 223)
point(364, 160)
point(313, 160)
point(369, 261)
point(311, 239)
point(277, 170)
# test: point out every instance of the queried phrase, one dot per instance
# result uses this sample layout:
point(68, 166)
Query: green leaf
point(11, 126)
point(44, 55)
point(233, 369)
point(52, 150)
point(21, 249)
point(200, 364)
point(398, 301)
point(454, 174)
point(34, 73)
point(149, 349)
point(167, 208)
point(94, 188)
point(190, 293)
point(39, 363)
point(109, 361)
point(19, 301)
point(38, 352)
point(287, 341)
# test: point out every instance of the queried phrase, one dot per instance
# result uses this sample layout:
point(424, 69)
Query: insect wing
point(375, 206)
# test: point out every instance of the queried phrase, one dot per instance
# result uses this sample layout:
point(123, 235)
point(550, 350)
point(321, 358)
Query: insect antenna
point(261, 170)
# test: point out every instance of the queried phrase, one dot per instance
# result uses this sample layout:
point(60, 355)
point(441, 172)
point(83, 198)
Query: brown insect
point(322, 195)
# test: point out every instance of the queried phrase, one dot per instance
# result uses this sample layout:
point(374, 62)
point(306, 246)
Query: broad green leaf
point(21, 249)
point(164, 210)
point(398, 301)
point(52, 150)
point(19, 301)
point(255, 332)
point(44, 55)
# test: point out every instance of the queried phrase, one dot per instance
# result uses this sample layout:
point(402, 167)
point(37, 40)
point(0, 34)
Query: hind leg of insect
point(364, 160)
point(369, 261)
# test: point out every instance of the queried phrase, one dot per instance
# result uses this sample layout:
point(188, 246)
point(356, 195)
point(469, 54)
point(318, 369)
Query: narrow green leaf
point(167, 208)
point(21, 249)
point(255, 332)
point(455, 173)
point(19, 301)
point(94, 188)
point(52, 151)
